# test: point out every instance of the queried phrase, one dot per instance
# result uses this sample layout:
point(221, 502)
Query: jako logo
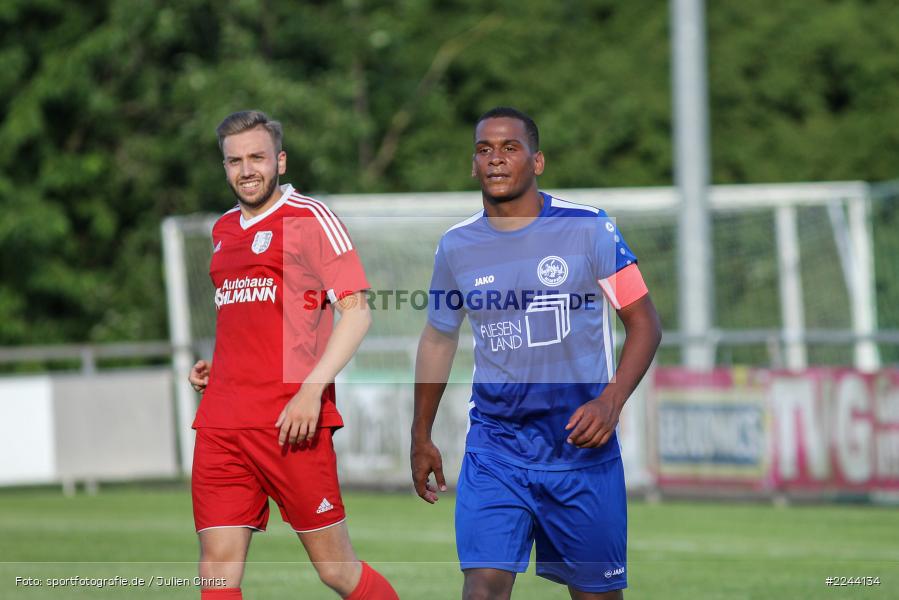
point(483, 280)
point(612, 572)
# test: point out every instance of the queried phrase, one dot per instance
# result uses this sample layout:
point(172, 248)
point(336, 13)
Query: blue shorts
point(577, 518)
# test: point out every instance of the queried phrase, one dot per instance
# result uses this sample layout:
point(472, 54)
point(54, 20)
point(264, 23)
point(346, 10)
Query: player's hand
point(593, 423)
point(299, 418)
point(426, 459)
point(199, 376)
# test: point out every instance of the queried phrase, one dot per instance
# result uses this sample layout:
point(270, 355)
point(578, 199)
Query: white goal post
point(840, 213)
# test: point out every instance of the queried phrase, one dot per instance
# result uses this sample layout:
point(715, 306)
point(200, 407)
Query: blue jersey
point(542, 327)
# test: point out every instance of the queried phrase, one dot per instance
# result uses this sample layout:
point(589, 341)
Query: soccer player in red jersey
point(268, 411)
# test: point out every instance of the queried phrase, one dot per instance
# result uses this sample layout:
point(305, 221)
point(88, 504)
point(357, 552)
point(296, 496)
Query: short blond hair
point(248, 119)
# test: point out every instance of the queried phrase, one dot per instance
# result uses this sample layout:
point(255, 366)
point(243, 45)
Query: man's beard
point(502, 199)
point(266, 194)
point(508, 196)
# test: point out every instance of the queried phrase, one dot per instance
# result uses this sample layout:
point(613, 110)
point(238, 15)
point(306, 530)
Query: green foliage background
point(107, 112)
point(676, 550)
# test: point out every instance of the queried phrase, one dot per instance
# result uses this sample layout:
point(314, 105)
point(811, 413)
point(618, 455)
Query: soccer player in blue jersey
point(537, 278)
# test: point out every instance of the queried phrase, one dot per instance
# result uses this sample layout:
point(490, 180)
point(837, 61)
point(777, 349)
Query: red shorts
point(235, 471)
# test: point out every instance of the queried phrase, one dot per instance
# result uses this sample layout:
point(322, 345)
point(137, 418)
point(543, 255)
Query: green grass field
point(677, 550)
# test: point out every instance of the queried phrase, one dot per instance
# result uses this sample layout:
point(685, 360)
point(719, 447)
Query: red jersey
point(275, 278)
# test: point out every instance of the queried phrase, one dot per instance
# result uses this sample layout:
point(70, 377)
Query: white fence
point(68, 428)
point(821, 433)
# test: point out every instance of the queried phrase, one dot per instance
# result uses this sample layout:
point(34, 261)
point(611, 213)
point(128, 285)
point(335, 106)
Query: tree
point(108, 111)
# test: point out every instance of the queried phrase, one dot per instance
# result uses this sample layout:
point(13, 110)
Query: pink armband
point(624, 287)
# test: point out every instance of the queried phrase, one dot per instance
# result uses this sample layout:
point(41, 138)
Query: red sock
point(372, 586)
point(221, 594)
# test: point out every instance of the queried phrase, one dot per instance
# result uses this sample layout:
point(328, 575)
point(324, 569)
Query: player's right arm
point(436, 350)
point(199, 376)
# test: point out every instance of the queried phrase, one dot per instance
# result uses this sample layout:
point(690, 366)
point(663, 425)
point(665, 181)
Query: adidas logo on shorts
point(325, 506)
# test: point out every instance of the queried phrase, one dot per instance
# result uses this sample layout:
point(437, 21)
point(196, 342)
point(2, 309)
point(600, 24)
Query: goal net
point(793, 285)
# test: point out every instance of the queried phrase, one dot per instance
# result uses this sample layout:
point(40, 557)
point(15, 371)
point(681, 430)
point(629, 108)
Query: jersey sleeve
point(616, 269)
point(329, 252)
point(444, 313)
point(213, 241)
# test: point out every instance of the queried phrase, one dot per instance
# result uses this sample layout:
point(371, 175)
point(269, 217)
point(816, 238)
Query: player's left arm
point(299, 418)
point(593, 423)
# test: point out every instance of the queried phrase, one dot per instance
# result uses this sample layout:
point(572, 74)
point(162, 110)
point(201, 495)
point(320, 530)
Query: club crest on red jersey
point(261, 241)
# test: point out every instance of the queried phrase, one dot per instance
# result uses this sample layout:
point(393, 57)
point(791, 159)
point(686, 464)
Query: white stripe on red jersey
point(338, 225)
point(331, 227)
point(329, 217)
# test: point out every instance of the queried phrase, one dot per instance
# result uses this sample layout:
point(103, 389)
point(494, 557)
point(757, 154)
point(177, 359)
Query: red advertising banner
point(821, 430)
point(836, 429)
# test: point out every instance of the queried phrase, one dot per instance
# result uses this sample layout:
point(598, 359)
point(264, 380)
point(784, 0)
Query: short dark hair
point(530, 127)
point(245, 120)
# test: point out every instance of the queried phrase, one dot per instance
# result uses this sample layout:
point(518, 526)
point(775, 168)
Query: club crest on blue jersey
point(552, 271)
point(261, 242)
